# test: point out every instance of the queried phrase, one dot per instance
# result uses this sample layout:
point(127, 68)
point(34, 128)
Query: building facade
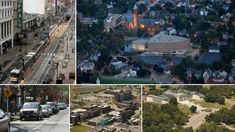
point(22, 21)
point(112, 21)
point(6, 24)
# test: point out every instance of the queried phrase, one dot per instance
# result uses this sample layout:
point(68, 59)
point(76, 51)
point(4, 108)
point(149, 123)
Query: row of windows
point(4, 3)
point(6, 13)
point(5, 29)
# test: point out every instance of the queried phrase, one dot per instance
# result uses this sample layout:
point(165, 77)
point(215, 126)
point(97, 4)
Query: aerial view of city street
point(37, 42)
point(34, 108)
point(155, 41)
point(105, 108)
point(189, 108)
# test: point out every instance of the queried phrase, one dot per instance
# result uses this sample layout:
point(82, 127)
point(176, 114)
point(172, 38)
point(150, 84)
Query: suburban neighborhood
point(196, 108)
point(155, 41)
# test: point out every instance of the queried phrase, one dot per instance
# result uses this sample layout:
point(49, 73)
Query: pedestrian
point(13, 107)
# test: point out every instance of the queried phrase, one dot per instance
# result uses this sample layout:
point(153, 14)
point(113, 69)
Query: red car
point(4, 122)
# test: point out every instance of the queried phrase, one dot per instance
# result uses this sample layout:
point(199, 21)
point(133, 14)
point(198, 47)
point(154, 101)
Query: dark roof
point(209, 58)
point(156, 59)
point(214, 47)
point(146, 21)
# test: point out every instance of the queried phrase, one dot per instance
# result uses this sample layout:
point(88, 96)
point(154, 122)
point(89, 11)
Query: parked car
point(62, 106)
point(54, 106)
point(31, 110)
point(45, 111)
point(4, 122)
point(50, 109)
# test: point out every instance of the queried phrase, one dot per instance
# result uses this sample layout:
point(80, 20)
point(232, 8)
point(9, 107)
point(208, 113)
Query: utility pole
point(56, 7)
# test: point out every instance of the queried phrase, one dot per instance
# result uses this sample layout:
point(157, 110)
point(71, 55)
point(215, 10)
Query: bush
point(193, 108)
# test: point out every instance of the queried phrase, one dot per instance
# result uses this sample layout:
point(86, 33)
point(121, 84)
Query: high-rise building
point(6, 24)
point(22, 21)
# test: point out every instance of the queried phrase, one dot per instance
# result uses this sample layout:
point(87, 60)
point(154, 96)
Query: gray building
point(6, 24)
point(112, 21)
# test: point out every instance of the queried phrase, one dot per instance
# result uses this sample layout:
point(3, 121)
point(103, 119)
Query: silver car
point(50, 109)
point(45, 111)
point(31, 110)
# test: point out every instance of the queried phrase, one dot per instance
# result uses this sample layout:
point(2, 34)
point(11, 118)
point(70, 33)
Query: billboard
point(34, 6)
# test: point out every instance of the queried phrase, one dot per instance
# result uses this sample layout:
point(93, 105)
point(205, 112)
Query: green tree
point(193, 108)
point(173, 100)
point(220, 100)
point(101, 14)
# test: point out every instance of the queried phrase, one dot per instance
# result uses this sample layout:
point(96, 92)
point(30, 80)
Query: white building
point(161, 99)
point(6, 23)
point(112, 21)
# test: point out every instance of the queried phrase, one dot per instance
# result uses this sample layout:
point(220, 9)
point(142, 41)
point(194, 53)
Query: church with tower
point(140, 22)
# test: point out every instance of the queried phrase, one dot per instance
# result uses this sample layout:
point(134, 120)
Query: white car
point(50, 109)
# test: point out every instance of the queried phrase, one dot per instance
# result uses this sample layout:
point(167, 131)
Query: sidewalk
point(67, 65)
point(13, 54)
point(66, 57)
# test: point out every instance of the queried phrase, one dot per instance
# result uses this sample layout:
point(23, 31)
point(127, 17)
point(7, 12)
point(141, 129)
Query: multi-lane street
point(50, 44)
point(55, 123)
point(42, 66)
point(45, 69)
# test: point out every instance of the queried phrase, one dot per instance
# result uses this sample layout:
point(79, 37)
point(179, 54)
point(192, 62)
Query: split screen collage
point(117, 66)
point(117, 108)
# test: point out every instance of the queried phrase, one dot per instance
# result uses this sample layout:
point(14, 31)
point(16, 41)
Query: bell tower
point(135, 16)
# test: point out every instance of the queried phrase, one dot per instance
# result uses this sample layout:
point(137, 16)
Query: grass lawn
point(212, 125)
point(184, 109)
point(211, 105)
point(80, 128)
point(85, 89)
point(122, 81)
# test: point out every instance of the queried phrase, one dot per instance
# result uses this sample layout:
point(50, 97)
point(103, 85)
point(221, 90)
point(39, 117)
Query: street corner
point(41, 108)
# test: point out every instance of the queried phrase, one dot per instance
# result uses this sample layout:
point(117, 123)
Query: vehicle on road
point(45, 111)
point(16, 76)
point(50, 110)
point(62, 106)
point(54, 106)
point(4, 122)
point(31, 110)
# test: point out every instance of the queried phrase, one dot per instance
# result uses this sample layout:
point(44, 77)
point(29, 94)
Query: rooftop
point(209, 58)
point(112, 17)
point(161, 38)
point(159, 97)
point(141, 41)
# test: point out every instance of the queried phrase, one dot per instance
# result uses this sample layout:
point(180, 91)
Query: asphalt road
point(42, 66)
point(55, 123)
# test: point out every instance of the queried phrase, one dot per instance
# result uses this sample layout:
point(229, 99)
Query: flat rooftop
point(27, 16)
point(159, 97)
point(112, 17)
point(141, 41)
point(160, 38)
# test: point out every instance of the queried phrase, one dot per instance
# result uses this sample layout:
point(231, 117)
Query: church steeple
point(135, 16)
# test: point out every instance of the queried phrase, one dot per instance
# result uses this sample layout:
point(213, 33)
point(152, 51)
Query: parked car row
point(34, 110)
